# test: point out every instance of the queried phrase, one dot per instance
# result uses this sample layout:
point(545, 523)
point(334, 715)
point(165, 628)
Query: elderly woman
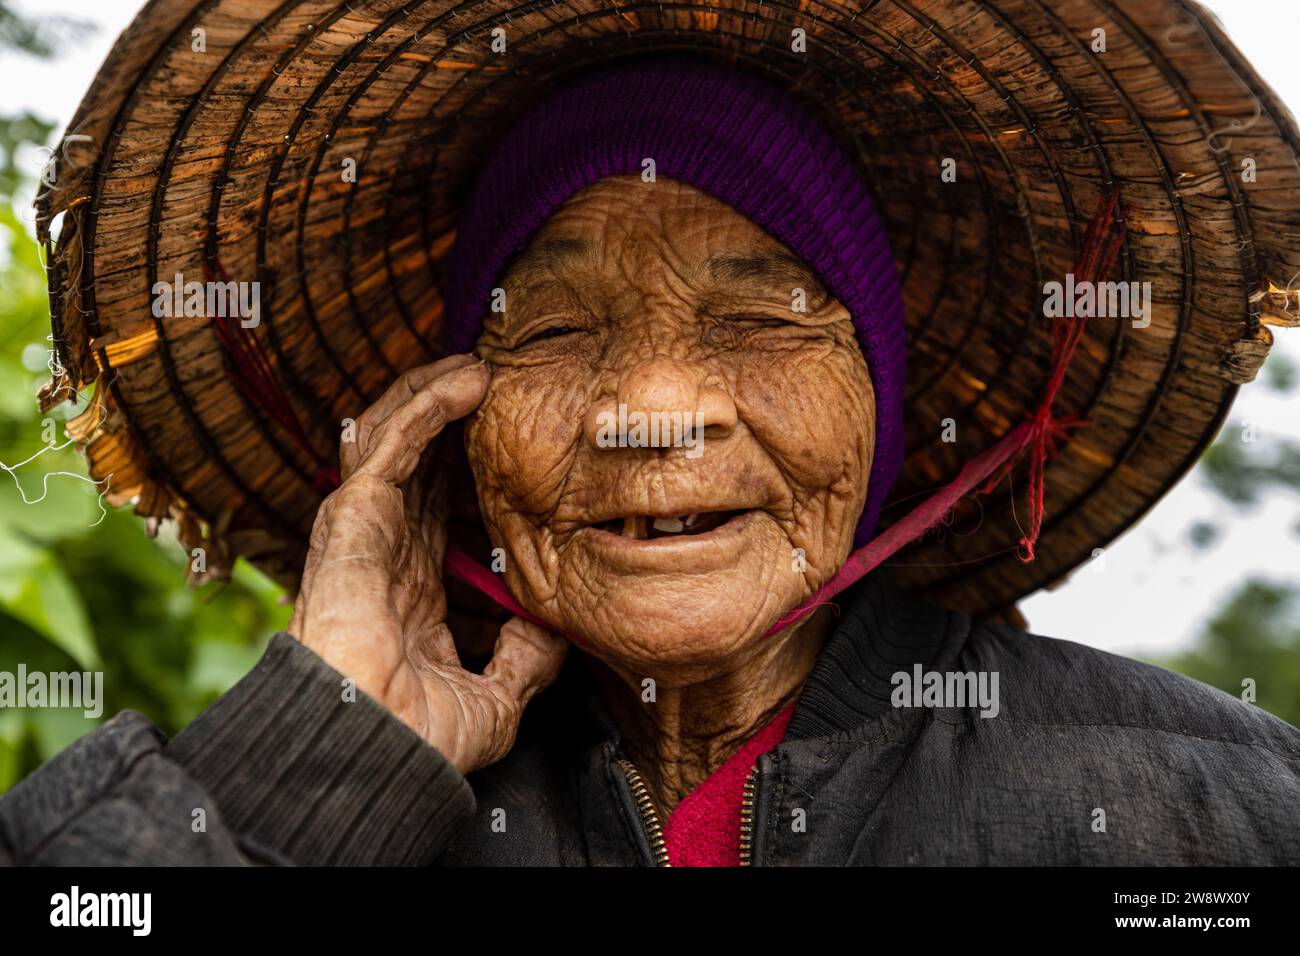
point(676, 364)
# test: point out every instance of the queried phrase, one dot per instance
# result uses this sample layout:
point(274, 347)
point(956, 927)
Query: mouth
point(636, 544)
point(650, 527)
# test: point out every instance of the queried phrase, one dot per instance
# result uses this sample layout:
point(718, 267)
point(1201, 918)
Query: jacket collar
point(882, 630)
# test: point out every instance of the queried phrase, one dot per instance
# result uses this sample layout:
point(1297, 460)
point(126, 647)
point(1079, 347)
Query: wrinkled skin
point(657, 297)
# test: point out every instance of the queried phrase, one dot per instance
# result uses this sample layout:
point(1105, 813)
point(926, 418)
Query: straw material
point(229, 161)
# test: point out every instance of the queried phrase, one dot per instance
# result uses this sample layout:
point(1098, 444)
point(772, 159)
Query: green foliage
point(37, 37)
point(16, 130)
point(1257, 637)
point(1280, 373)
point(1203, 534)
point(1244, 472)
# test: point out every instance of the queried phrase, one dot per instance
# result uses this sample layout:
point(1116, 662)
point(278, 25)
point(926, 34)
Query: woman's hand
point(372, 604)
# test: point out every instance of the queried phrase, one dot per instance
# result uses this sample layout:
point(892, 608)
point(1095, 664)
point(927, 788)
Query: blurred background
point(1207, 585)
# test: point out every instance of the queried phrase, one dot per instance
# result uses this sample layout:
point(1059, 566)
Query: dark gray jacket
point(1091, 759)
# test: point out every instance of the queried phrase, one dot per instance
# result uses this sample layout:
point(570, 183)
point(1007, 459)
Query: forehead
point(633, 226)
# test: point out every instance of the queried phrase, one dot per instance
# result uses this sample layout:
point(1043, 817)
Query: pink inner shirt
point(704, 829)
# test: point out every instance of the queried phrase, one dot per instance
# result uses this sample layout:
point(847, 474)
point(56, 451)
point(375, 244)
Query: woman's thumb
point(527, 659)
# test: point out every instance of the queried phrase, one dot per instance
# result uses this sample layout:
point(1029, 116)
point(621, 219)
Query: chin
point(675, 619)
point(668, 630)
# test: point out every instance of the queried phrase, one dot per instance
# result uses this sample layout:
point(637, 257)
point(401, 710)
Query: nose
point(658, 404)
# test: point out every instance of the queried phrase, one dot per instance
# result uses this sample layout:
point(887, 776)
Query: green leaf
point(35, 590)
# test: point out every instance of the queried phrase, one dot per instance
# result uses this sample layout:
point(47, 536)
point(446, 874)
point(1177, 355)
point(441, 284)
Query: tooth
point(691, 519)
point(668, 524)
point(634, 527)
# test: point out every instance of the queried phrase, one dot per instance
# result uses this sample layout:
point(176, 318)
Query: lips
point(648, 527)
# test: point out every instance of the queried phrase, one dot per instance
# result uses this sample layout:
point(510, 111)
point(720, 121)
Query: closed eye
point(752, 318)
point(552, 332)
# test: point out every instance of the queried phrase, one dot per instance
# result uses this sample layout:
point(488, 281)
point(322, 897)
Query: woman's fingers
point(368, 580)
point(526, 659)
point(315, 546)
point(345, 612)
point(398, 394)
point(396, 444)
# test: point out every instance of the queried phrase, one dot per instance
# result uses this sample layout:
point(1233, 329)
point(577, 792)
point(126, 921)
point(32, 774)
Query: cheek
point(812, 411)
point(523, 437)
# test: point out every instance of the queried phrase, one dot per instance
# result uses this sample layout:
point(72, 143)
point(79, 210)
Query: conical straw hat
point(216, 143)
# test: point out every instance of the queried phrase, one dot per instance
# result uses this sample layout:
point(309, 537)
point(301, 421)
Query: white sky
point(1154, 591)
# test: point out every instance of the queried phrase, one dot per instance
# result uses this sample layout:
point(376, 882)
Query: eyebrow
point(538, 260)
point(742, 267)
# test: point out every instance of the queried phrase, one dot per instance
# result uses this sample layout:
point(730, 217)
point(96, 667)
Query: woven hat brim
point(216, 133)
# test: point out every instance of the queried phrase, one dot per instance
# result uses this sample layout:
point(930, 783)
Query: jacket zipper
point(649, 815)
point(747, 801)
point(654, 828)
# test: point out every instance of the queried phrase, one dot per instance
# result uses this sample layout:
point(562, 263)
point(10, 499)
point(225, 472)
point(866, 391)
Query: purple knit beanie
point(727, 134)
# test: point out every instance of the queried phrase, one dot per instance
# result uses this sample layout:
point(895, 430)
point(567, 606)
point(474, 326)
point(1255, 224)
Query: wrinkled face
point(675, 444)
